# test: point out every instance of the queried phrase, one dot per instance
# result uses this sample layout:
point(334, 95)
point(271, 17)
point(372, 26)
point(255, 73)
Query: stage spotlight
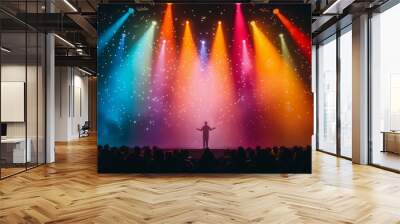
point(187, 22)
point(219, 22)
point(253, 23)
point(154, 23)
point(131, 11)
point(164, 41)
point(169, 3)
point(281, 35)
point(275, 11)
point(203, 42)
point(243, 41)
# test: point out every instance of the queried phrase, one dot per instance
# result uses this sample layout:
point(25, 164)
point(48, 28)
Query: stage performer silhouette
point(206, 134)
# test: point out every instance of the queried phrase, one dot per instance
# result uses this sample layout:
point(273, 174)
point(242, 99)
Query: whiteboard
point(12, 101)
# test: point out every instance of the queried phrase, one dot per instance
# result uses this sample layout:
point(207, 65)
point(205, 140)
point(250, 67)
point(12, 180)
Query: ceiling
point(75, 21)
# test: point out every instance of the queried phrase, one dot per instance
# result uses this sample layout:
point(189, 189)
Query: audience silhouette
point(154, 160)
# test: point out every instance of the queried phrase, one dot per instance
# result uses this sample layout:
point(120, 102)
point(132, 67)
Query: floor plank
point(71, 191)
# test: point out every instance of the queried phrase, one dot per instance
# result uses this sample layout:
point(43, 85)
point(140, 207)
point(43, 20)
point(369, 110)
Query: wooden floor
point(70, 191)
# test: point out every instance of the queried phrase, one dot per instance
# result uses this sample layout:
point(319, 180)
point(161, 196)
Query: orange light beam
point(167, 26)
point(167, 36)
point(183, 106)
point(286, 101)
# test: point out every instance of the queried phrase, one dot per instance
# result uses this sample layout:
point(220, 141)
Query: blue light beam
point(107, 35)
point(129, 84)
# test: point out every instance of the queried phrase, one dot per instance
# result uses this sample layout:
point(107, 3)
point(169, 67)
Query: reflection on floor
point(10, 171)
point(386, 159)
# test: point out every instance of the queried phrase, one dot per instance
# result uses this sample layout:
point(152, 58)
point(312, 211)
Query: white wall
point(314, 90)
point(62, 81)
point(71, 102)
point(16, 72)
point(34, 125)
point(81, 112)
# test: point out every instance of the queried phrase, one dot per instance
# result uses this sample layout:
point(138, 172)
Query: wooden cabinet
point(391, 142)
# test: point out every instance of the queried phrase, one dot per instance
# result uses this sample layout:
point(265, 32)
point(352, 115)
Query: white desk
point(19, 155)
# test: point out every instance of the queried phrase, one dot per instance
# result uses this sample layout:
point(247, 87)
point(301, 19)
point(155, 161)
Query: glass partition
point(385, 89)
point(22, 88)
point(327, 95)
point(14, 153)
point(41, 96)
point(32, 95)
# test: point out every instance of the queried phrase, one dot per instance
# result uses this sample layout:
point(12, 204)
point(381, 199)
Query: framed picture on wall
point(215, 87)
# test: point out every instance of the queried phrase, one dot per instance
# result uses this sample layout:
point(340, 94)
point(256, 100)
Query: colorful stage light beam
point(116, 64)
point(240, 41)
point(203, 55)
point(167, 33)
point(219, 65)
point(160, 63)
point(133, 77)
point(167, 26)
point(165, 56)
point(242, 69)
point(246, 61)
point(285, 50)
point(107, 35)
point(142, 71)
point(301, 39)
point(297, 102)
point(127, 82)
point(136, 85)
point(223, 110)
point(159, 84)
point(188, 56)
point(118, 59)
point(267, 60)
point(267, 66)
point(282, 91)
point(183, 114)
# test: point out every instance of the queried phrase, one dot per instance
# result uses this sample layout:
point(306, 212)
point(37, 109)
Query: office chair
point(84, 130)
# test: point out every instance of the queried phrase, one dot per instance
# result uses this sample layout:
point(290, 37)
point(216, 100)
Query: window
point(346, 92)
point(385, 89)
point(327, 95)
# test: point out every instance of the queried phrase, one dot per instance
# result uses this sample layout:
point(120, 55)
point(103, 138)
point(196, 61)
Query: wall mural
point(204, 88)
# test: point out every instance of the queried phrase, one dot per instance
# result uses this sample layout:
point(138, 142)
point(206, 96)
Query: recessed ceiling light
point(64, 40)
point(5, 50)
point(70, 5)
